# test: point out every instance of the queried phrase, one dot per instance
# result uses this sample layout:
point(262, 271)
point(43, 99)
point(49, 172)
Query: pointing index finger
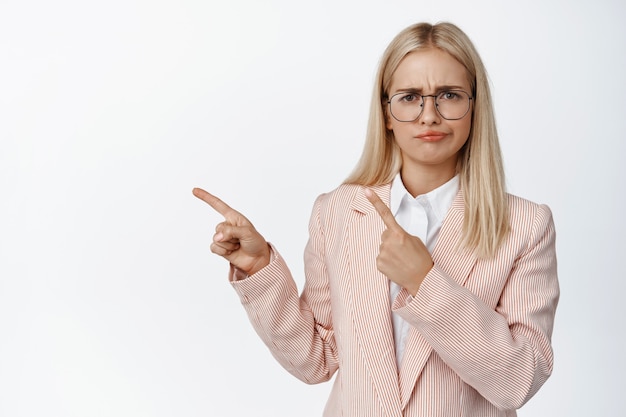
point(383, 211)
point(217, 204)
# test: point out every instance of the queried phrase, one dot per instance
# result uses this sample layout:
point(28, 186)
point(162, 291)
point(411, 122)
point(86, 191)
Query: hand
point(403, 258)
point(235, 238)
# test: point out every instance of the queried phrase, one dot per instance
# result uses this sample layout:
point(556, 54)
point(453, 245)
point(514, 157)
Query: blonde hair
point(480, 168)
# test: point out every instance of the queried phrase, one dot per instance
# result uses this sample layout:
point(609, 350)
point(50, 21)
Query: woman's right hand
point(235, 238)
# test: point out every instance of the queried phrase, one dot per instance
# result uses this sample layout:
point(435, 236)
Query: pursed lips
point(431, 136)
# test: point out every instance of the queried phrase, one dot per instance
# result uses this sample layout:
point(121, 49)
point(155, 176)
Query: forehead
point(428, 69)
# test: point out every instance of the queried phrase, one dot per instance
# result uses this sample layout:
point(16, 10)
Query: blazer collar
point(361, 204)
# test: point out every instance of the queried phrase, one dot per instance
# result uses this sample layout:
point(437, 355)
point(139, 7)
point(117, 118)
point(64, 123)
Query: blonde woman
point(429, 290)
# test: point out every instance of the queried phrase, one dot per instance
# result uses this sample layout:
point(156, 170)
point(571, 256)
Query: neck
point(422, 180)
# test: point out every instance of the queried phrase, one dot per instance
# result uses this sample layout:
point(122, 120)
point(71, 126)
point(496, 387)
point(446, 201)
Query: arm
point(297, 329)
point(506, 353)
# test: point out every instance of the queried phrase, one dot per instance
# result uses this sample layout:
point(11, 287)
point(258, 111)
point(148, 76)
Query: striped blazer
point(480, 338)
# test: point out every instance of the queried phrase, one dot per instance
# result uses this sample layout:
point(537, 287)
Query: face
point(429, 142)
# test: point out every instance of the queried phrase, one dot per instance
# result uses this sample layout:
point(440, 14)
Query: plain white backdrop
point(111, 112)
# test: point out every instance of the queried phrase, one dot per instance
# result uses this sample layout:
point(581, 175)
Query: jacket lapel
point(369, 295)
point(457, 263)
point(449, 256)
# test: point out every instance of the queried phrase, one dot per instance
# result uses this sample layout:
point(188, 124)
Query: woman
point(429, 291)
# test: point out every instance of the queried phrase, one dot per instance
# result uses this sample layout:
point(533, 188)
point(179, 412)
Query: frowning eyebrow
point(438, 89)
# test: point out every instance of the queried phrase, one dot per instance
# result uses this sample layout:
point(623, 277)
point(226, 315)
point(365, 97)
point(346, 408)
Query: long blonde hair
point(486, 222)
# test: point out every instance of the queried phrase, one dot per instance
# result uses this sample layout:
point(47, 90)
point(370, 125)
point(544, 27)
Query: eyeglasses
point(450, 104)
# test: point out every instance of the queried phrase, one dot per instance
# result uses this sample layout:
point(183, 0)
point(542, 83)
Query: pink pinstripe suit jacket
point(480, 338)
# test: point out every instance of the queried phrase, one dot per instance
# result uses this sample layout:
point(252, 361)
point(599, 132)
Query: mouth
point(431, 136)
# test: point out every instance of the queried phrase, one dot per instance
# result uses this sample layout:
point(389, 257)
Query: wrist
point(417, 283)
point(262, 261)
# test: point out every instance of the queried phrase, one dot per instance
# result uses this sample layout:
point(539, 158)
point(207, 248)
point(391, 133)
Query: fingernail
point(218, 237)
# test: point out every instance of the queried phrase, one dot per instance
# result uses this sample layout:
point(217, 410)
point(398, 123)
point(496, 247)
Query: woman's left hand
point(403, 258)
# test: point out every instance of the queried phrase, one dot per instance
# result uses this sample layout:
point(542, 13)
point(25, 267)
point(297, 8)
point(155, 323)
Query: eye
point(449, 96)
point(409, 98)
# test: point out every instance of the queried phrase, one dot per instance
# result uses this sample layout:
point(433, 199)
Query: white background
point(112, 111)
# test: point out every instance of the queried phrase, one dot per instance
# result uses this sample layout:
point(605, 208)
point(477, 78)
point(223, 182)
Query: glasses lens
point(453, 104)
point(406, 107)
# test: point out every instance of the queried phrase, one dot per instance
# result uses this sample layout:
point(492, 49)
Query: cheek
point(464, 128)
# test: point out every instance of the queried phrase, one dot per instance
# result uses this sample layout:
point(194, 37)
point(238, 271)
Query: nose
point(429, 115)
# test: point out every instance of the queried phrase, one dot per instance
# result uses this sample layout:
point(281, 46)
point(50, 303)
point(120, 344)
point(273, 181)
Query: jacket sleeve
point(505, 354)
point(297, 329)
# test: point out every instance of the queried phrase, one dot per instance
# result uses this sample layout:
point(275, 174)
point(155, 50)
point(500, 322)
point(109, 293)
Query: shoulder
point(347, 199)
point(337, 200)
point(343, 193)
point(521, 209)
point(529, 219)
